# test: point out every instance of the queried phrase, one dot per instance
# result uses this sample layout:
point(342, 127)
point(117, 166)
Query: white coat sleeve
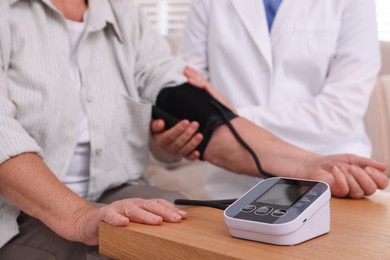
point(338, 109)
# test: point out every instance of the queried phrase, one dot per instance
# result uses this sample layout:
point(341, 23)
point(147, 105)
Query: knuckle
point(171, 138)
point(178, 143)
point(150, 204)
point(105, 212)
point(130, 210)
point(160, 201)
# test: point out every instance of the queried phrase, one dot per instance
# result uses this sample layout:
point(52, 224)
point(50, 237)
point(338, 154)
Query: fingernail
point(156, 218)
point(185, 123)
point(176, 217)
point(124, 220)
point(194, 124)
point(182, 213)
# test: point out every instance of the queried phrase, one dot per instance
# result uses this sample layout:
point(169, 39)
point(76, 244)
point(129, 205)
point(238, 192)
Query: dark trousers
point(37, 242)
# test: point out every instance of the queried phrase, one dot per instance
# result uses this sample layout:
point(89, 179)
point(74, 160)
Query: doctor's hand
point(180, 141)
point(350, 175)
point(197, 80)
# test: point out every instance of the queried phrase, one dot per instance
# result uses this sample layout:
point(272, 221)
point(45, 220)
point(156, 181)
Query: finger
point(159, 207)
point(192, 73)
point(139, 215)
point(365, 162)
point(157, 126)
point(197, 83)
point(179, 145)
point(366, 183)
point(112, 217)
point(340, 186)
point(191, 145)
point(193, 156)
point(173, 207)
point(170, 136)
point(381, 180)
point(189, 71)
point(355, 191)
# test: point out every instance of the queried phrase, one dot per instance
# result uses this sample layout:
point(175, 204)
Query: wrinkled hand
point(180, 141)
point(196, 79)
point(349, 175)
point(120, 213)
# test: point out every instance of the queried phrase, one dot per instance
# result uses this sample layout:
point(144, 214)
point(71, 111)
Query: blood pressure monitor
point(281, 211)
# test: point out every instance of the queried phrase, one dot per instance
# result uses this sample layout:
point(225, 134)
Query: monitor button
point(279, 213)
point(248, 208)
point(264, 210)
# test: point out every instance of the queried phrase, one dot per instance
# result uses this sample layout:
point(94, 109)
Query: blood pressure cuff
point(194, 104)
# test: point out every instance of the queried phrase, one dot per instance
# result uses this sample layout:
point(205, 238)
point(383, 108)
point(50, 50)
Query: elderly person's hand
point(120, 213)
point(348, 175)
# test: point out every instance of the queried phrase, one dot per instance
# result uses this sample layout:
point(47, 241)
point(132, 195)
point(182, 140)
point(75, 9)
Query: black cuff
point(188, 102)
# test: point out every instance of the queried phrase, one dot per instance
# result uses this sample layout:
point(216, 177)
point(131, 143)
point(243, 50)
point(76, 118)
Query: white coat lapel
point(288, 12)
point(252, 14)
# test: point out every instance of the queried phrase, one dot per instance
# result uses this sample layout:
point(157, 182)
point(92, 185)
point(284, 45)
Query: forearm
point(28, 183)
point(276, 156)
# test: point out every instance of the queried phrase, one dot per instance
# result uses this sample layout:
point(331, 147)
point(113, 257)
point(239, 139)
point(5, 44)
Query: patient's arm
point(347, 175)
point(27, 183)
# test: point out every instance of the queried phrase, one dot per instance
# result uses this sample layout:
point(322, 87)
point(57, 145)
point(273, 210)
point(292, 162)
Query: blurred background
point(169, 16)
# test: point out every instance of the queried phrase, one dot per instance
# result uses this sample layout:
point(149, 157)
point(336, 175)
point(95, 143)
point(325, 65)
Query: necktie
point(271, 7)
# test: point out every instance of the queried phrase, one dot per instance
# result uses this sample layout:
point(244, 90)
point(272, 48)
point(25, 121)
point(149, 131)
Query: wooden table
point(360, 229)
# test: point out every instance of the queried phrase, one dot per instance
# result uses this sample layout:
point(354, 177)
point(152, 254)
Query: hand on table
point(349, 175)
point(120, 213)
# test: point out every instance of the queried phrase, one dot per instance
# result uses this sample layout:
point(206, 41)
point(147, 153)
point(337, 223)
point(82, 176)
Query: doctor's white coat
point(308, 81)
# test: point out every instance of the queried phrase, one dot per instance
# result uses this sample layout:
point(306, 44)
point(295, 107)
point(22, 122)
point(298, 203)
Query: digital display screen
point(283, 194)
